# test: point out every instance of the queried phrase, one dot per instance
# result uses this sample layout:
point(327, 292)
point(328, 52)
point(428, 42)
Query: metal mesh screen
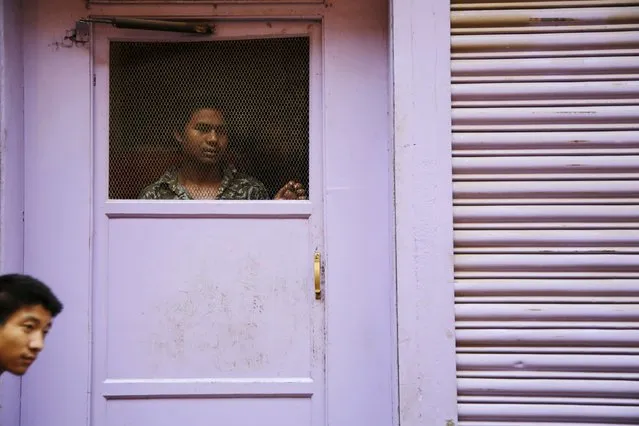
point(209, 120)
point(204, 1)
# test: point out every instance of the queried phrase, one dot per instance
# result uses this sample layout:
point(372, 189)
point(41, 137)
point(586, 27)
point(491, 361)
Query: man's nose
point(211, 136)
point(36, 343)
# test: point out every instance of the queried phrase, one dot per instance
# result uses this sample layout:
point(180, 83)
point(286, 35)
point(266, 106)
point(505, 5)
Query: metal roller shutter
point(546, 192)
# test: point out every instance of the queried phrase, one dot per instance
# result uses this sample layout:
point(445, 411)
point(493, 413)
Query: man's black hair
point(181, 109)
point(18, 291)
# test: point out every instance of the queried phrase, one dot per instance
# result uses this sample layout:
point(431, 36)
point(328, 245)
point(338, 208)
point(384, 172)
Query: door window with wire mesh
point(206, 1)
point(222, 120)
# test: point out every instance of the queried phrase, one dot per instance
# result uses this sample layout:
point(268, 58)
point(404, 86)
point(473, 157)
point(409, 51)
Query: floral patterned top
point(234, 186)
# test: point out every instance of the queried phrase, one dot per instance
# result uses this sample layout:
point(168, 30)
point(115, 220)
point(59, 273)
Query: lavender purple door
point(205, 312)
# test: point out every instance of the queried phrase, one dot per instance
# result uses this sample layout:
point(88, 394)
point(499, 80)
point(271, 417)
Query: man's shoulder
point(160, 189)
point(152, 191)
point(244, 186)
point(246, 179)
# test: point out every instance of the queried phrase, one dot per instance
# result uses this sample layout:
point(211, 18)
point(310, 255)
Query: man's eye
point(28, 327)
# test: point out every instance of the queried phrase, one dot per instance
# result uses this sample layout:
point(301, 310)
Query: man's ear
point(177, 136)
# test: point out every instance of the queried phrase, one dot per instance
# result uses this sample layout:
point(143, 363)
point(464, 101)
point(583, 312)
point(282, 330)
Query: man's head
point(202, 128)
point(204, 137)
point(27, 308)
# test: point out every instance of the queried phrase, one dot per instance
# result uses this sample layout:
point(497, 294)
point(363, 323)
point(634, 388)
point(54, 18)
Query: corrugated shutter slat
point(546, 192)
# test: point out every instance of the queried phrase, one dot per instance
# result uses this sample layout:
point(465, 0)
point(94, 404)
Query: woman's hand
point(291, 191)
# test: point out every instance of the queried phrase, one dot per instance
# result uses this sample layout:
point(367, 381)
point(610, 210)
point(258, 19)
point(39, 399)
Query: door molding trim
point(424, 212)
point(11, 174)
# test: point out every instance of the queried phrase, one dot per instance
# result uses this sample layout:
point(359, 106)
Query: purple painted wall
point(11, 173)
point(420, 57)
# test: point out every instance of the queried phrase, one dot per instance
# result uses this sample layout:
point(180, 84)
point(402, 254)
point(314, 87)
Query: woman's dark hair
point(18, 291)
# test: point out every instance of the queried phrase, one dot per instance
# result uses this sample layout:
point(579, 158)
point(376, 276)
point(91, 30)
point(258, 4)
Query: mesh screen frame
point(276, 127)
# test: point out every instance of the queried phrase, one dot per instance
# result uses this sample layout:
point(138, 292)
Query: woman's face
point(205, 136)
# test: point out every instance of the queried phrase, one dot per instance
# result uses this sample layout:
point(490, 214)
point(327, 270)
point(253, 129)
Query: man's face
point(22, 338)
point(205, 136)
